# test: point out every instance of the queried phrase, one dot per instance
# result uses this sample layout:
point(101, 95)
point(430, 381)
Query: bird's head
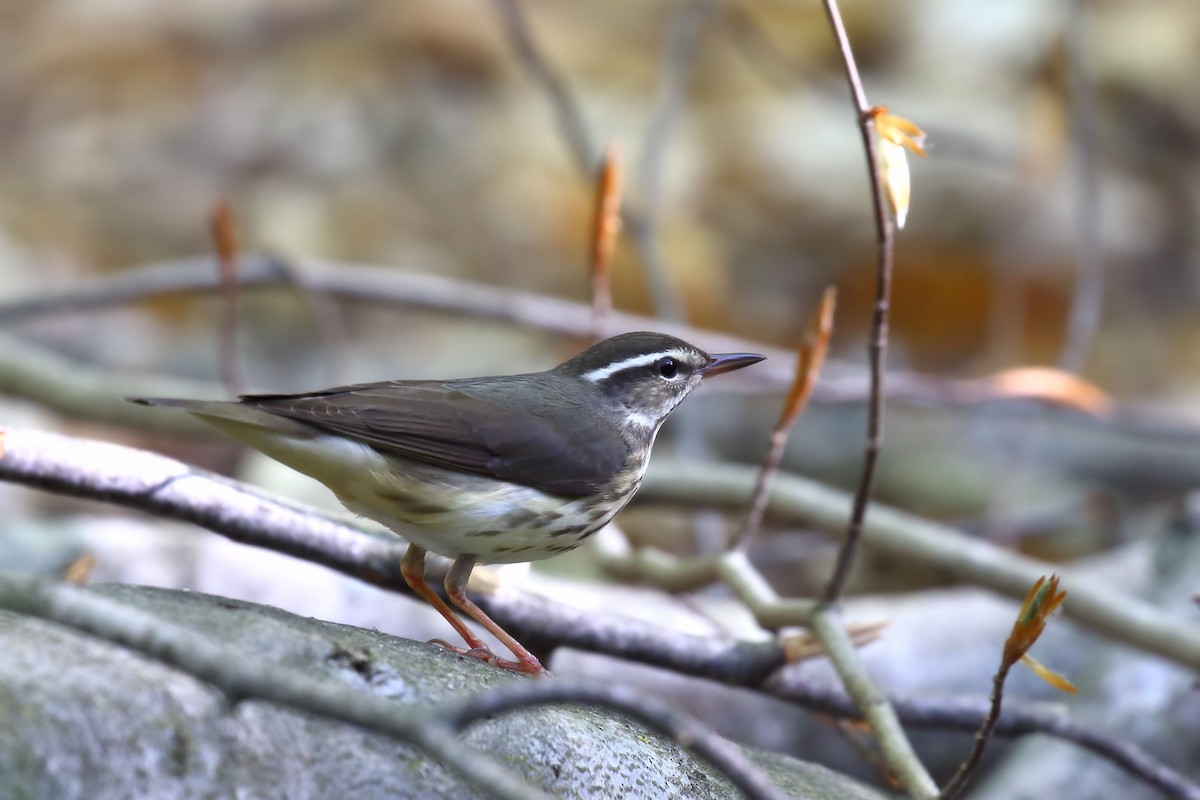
point(648, 374)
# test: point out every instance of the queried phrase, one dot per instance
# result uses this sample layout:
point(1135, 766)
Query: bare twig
point(327, 317)
point(160, 485)
point(811, 356)
point(566, 110)
point(1028, 719)
point(877, 348)
point(675, 574)
point(1088, 300)
point(371, 284)
point(579, 141)
point(1041, 601)
point(241, 675)
point(935, 546)
point(163, 486)
point(83, 391)
point(958, 783)
point(897, 751)
point(168, 488)
point(377, 285)
point(656, 716)
point(77, 571)
point(683, 35)
point(606, 225)
point(221, 227)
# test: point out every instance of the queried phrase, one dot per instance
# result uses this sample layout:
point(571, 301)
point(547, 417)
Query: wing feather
point(463, 426)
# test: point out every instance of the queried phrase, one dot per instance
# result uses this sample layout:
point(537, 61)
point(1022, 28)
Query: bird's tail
point(236, 419)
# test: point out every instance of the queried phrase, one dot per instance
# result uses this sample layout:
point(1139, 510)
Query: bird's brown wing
point(558, 447)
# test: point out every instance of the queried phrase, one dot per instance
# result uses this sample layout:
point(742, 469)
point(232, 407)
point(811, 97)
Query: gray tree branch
point(160, 485)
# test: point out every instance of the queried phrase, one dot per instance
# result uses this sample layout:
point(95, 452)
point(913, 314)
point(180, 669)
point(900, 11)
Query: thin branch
point(169, 488)
point(877, 348)
point(378, 285)
point(898, 754)
point(566, 109)
point(723, 755)
point(826, 623)
point(583, 151)
point(1041, 601)
point(327, 317)
point(810, 357)
point(963, 774)
point(221, 227)
point(683, 35)
point(85, 392)
point(606, 225)
point(241, 675)
point(153, 483)
point(365, 283)
point(674, 574)
point(1088, 300)
point(897, 534)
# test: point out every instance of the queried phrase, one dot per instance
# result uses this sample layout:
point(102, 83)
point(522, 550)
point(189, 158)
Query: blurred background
point(410, 134)
point(1053, 223)
point(413, 135)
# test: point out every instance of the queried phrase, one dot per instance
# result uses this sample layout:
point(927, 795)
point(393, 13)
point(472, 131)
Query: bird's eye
point(668, 367)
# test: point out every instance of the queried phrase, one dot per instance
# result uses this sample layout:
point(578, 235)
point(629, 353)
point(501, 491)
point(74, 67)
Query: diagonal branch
point(898, 753)
point(877, 348)
point(153, 483)
point(327, 281)
point(810, 358)
point(683, 36)
point(584, 152)
point(365, 283)
point(934, 546)
point(566, 109)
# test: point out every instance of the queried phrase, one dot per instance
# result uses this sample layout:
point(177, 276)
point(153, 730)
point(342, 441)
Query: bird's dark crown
point(630, 351)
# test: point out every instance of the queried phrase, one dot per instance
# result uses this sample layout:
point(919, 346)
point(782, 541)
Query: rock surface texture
point(82, 718)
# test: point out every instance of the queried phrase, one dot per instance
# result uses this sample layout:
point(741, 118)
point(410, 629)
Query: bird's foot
point(526, 667)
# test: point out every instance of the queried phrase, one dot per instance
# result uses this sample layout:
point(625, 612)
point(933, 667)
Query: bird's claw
point(483, 653)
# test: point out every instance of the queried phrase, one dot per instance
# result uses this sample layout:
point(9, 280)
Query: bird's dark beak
point(728, 362)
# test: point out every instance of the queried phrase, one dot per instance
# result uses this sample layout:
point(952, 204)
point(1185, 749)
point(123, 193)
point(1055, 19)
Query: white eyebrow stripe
point(645, 359)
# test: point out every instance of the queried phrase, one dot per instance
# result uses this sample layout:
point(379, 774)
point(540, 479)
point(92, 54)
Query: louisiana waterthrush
point(493, 470)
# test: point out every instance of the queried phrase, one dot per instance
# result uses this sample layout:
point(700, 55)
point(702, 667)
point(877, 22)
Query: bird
point(494, 470)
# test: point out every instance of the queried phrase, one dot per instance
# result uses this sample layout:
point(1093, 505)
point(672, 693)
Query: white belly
point(494, 521)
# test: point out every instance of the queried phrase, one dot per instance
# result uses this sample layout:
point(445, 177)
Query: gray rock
point(82, 718)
